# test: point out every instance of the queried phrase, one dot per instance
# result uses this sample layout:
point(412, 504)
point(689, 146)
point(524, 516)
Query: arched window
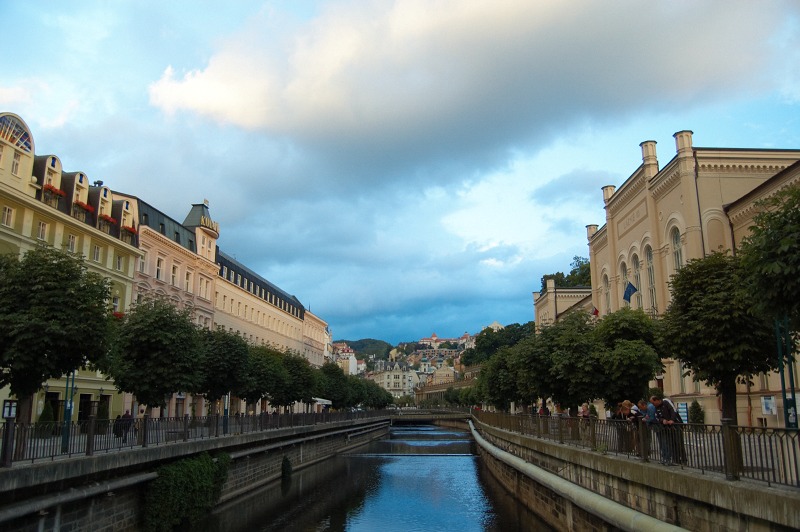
point(624, 281)
point(651, 278)
point(606, 294)
point(677, 251)
point(637, 281)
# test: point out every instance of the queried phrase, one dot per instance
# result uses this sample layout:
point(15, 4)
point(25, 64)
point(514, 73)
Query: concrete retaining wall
point(105, 493)
point(684, 498)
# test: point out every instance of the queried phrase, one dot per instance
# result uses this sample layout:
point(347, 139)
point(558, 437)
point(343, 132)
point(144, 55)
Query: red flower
point(107, 218)
point(118, 315)
point(85, 206)
point(131, 230)
point(53, 190)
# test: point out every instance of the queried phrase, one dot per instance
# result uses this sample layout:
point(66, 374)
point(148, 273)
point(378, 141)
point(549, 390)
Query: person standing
point(127, 420)
point(668, 419)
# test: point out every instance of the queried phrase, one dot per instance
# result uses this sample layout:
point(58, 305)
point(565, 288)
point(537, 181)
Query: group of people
point(661, 418)
point(122, 425)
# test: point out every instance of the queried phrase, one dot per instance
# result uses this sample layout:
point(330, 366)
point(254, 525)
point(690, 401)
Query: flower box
point(52, 189)
point(131, 230)
point(85, 206)
point(108, 219)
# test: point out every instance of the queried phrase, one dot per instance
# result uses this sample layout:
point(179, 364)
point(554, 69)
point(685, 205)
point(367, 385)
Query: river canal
point(418, 478)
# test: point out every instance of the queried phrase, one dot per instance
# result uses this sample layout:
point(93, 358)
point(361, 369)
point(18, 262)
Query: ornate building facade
point(42, 204)
point(660, 218)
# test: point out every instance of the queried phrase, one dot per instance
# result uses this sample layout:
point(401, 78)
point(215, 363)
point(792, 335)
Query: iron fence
point(32, 442)
point(764, 454)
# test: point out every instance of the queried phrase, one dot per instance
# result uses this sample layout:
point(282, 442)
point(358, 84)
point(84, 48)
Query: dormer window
point(105, 192)
point(53, 162)
point(127, 205)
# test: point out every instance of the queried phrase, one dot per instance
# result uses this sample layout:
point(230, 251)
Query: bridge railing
point(32, 442)
point(764, 454)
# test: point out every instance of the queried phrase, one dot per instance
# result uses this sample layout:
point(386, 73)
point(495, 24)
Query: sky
point(402, 167)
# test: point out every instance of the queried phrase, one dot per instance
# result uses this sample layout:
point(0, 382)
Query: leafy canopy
point(771, 256)
point(710, 327)
point(54, 318)
point(158, 352)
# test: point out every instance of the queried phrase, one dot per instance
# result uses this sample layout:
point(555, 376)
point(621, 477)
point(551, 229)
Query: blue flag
point(629, 291)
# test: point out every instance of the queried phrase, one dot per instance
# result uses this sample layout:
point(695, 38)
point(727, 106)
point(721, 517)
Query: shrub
point(45, 426)
point(184, 492)
point(696, 414)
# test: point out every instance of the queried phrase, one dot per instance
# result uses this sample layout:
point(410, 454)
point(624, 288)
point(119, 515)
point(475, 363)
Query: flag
point(595, 312)
point(629, 291)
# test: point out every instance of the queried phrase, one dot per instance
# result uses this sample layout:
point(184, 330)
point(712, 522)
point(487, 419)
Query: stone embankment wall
point(105, 492)
point(575, 489)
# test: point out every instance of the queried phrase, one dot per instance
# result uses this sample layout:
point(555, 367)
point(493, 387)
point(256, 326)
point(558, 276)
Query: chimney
point(683, 142)
point(591, 229)
point(649, 159)
point(608, 191)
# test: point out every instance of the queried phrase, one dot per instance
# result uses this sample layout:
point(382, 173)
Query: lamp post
point(785, 358)
point(68, 404)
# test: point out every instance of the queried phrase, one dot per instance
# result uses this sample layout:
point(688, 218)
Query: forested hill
point(368, 346)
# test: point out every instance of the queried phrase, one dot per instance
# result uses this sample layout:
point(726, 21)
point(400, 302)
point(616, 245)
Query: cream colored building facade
point(660, 218)
point(41, 203)
point(399, 379)
point(317, 339)
point(554, 302)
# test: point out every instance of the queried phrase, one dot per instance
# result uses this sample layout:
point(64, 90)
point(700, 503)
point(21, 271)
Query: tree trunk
point(734, 459)
point(727, 391)
point(24, 418)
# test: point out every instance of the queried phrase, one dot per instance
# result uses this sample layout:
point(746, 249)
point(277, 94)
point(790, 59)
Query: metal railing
point(32, 442)
point(763, 454)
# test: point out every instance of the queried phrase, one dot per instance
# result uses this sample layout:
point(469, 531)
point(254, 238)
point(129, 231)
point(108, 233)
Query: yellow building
point(42, 203)
point(553, 302)
point(661, 217)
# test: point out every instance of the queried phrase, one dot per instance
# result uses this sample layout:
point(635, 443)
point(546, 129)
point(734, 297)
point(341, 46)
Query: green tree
point(709, 326)
point(625, 342)
point(575, 366)
point(356, 390)
point(498, 381)
point(54, 318)
point(771, 256)
point(223, 364)
point(301, 378)
point(264, 373)
point(579, 275)
point(333, 385)
point(157, 352)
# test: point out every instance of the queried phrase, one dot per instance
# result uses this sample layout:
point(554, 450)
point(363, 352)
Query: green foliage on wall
point(184, 492)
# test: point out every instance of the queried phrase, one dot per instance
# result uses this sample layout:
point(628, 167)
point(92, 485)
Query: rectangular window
point(8, 216)
point(96, 253)
point(41, 232)
point(174, 277)
point(71, 243)
point(120, 262)
point(143, 263)
point(15, 164)
point(159, 268)
point(115, 303)
point(187, 282)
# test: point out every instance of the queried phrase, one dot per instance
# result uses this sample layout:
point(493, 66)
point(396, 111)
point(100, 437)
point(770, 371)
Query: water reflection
point(417, 479)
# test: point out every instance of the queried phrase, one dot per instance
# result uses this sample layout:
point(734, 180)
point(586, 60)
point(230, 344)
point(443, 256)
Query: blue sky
point(402, 167)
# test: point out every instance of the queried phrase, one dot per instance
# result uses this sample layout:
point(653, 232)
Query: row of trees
point(721, 325)
point(575, 360)
point(55, 318)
